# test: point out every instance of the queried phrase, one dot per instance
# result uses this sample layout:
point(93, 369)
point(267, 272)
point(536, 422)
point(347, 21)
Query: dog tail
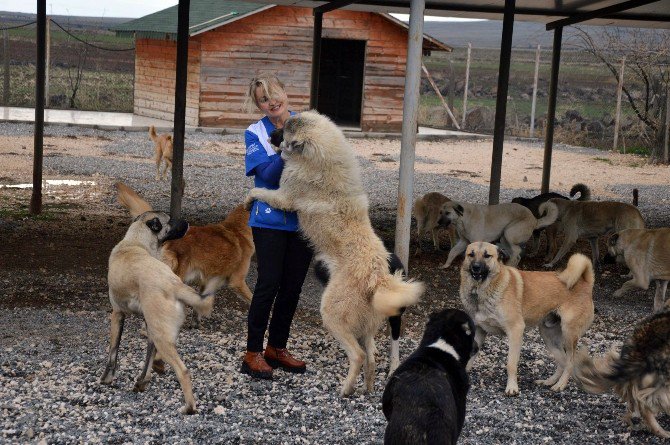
point(550, 212)
point(595, 376)
point(131, 200)
point(579, 266)
point(152, 133)
point(396, 294)
point(583, 190)
point(202, 304)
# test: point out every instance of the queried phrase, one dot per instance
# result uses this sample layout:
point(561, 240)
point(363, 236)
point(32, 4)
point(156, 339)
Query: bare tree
point(647, 55)
point(75, 73)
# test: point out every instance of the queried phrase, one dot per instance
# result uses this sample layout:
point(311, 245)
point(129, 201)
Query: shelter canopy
point(642, 14)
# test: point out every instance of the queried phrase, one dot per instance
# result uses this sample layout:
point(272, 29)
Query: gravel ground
point(54, 314)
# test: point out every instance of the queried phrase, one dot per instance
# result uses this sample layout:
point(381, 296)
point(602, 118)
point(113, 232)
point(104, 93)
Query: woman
point(283, 255)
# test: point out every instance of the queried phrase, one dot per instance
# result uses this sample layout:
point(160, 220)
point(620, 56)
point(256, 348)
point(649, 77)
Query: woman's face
point(273, 108)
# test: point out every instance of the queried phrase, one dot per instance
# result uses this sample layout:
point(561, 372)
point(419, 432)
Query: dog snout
point(444, 220)
point(178, 229)
point(609, 258)
point(476, 267)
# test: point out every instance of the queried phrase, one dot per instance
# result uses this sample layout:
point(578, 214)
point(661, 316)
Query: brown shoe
point(255, 365)
point(281, 358)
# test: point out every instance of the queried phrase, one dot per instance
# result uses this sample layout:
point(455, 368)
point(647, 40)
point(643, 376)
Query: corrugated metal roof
point(203, 15)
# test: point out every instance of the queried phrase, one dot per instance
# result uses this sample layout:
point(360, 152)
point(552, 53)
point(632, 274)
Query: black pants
point(283, 260)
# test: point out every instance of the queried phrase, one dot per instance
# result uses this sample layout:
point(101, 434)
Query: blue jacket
point(265, 165)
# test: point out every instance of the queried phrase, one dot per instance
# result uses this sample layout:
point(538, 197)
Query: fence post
point(439, 95)
point(532, 107)
point(465, 90)
point(46, 68)
point(5, 55)
point(452, 84)
point(617, 116)
point(666, 127)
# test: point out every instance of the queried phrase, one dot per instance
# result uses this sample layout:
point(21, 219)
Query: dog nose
point(476, 267)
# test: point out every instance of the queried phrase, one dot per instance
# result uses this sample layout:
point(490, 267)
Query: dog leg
point(145, 376)
point(515, 254)
point(354, 352)
point(370, 364)
point(419, 235)
point(456, 250)
point(515, 338)
point(168, 165)
point(157, 159)
point(659, 298)
point(640, 282)
point(117, 329)
point(238, 284)
point(536, 244)
point(480, 338)
point(595, 253)
point(394, 351)
point(436, 239)
point(553, 339)
point(168, 351)
point(565, 248)
point(649, 419)
point(276, 198)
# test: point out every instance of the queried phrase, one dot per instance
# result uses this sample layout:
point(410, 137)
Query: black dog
point(533, 204)
point(323, 275)
point(424, 400)
point(277, 137)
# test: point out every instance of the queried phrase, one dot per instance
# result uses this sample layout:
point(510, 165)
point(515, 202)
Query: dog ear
point(502, 255)
point(458, 209)
point(297, 147)
point(613, 239)
point(155, 225)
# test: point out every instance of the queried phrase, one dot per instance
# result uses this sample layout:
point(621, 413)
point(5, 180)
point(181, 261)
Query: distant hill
point(8, 18)
point(487, 33)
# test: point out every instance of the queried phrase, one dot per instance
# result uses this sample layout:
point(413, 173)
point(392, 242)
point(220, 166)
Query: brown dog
point(646, 252)
point(163, 148)
point(208, 256)
point(591, 220)
point(426, 210)
point(504, 301)
point(141, 284)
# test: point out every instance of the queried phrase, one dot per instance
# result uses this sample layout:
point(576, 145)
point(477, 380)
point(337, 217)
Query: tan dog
point(512, 224)
point(426, 210)
point(209, 256)
point(591, 220)
point(646, 252)
point(504, 301)
point(322, 182)
point(163, 147)
point(139, 283)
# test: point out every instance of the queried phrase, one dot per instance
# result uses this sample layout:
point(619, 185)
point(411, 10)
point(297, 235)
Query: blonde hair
point(271, 87)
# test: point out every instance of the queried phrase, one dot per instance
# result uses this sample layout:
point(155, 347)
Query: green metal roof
point(203, 15)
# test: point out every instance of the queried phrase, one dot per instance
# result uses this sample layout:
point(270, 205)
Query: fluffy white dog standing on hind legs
point(321, 181)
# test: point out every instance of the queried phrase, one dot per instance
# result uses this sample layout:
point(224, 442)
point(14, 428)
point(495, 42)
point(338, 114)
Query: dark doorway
point(341, 80)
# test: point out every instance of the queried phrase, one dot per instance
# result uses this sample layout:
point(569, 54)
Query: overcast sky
point(111, 8)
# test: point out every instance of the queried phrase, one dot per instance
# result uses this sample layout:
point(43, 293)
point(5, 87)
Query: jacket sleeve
point(255, 154)
point(270, 172)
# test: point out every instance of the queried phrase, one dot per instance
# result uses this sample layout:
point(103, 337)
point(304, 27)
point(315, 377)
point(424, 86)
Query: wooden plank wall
point(279, 40)
point(155, 78)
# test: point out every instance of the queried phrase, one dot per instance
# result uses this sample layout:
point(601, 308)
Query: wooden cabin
point(362, 72)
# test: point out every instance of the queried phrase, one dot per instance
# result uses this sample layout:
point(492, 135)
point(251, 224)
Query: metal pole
point(36, 198)
point(532, 107)
point(666, 137)
point(177, 188)
point(617, 115)
point(501, 102)
point(410, 112)
point(316, 60)
point(5, 90)
point(46, 70)
point(551, 111)
point(465, 90)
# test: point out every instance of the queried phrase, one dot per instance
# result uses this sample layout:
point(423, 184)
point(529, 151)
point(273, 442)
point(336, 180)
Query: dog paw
point(187, 409)
point(347, 390)
point(140, 386)
point(558, 387)
point(248, 202)
point(512, 391)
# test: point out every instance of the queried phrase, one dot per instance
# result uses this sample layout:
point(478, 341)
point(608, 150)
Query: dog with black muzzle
point(646, 252)
point(505, 301)
point(139, 283)
point(424, 400)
